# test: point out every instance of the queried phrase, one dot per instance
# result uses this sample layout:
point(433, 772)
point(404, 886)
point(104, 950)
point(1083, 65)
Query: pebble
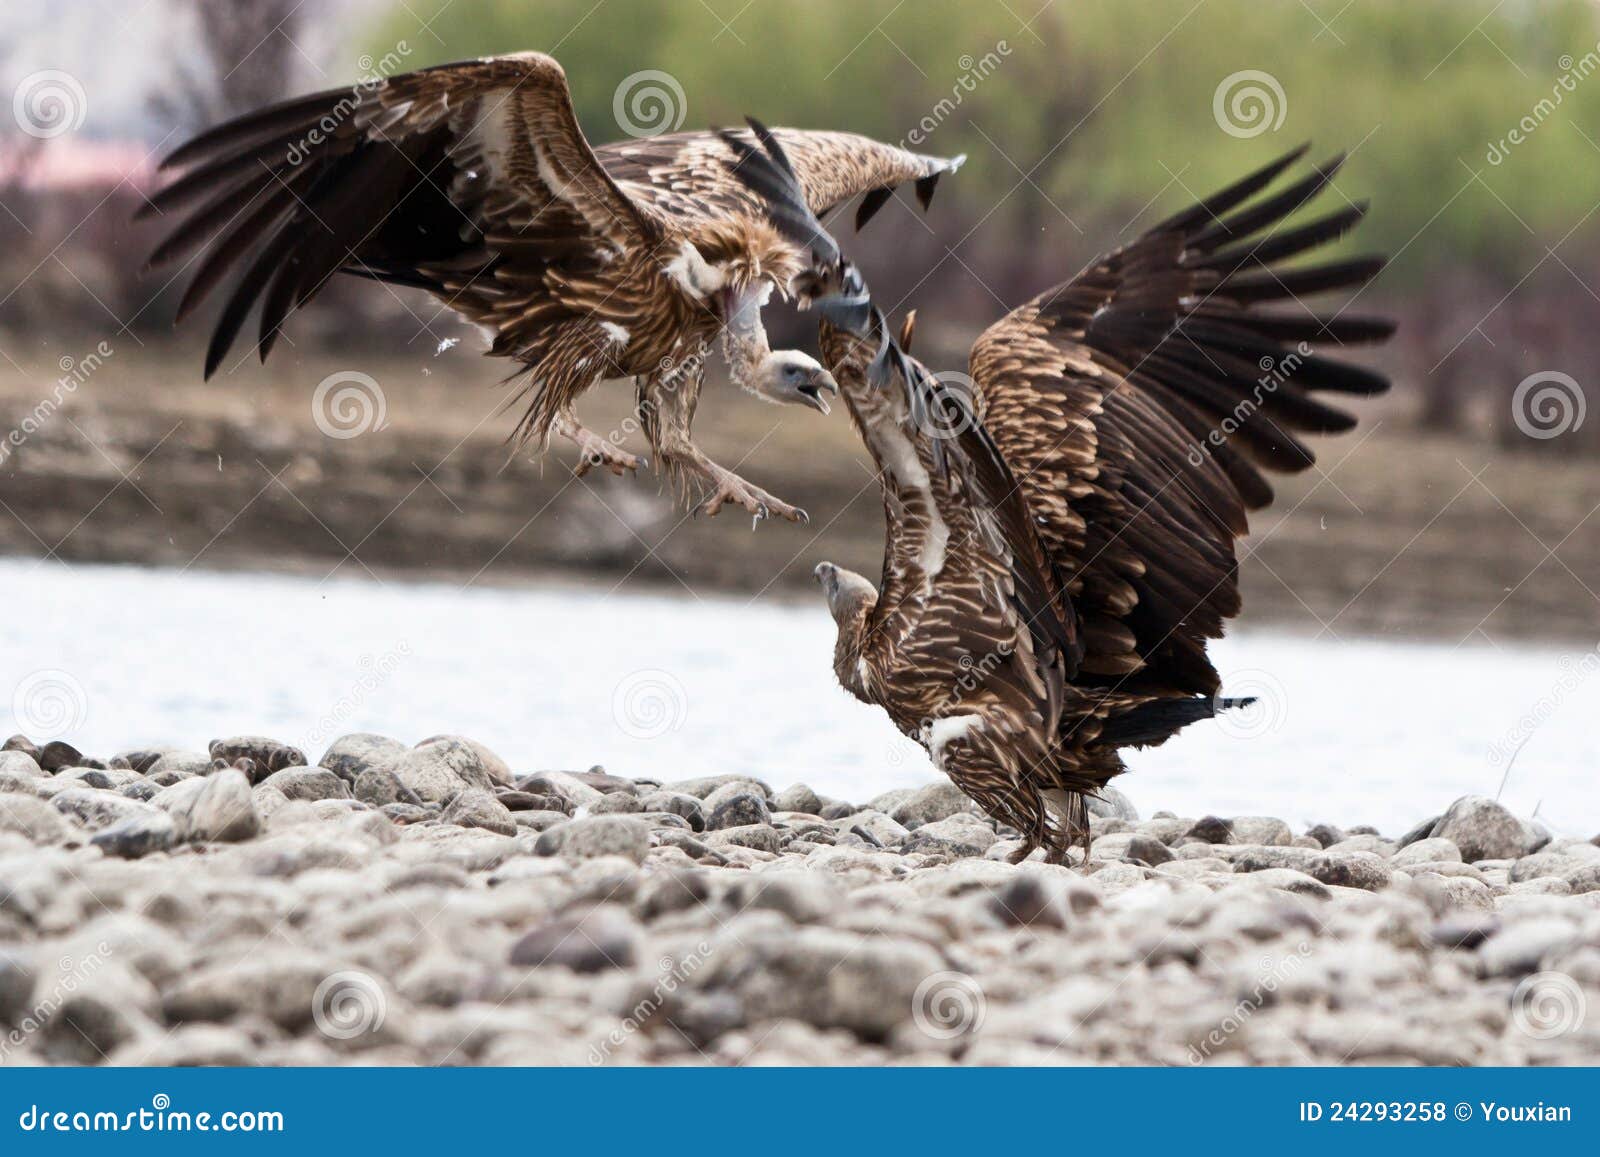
point(96, 808)
point(1264, 830)
point(602, 938)
point(1426, 851)
point(798, 798)
point(301, 782)
point(740, 809)
point(1211, 830)
point(137, 836)
point(56, 755)
point(592, 836)
point(436, 771)
point(476, 808)
point(380, 786)
point(221, 809)
point(616, 803)
point(930, 804)
point(1481, 829)
point(677, 803)
point(268, 755)
point(34, 819)
point(730, 923)
point(351, 755)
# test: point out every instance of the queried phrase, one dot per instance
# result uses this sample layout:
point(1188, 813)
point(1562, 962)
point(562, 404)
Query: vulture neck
point(744, 338)
point(849, 662)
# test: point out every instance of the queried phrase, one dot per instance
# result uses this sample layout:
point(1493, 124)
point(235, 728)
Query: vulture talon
point(729, 488)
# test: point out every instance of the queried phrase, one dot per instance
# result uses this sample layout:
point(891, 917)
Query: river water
point(1347, 731)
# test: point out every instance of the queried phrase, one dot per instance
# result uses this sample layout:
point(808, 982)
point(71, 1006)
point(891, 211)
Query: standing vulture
point(473, 181)
point(1061, 535)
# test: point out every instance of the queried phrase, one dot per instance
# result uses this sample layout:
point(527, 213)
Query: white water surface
point(1348, 732)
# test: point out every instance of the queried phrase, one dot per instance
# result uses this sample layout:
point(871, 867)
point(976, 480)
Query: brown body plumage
point(1130, 410)
point(473, 181)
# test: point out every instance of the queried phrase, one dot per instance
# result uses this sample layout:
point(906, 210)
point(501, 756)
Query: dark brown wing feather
point(1139, 402)
point(438, 178)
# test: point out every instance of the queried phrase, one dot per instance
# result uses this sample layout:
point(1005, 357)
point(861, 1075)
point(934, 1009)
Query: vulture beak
point(817, 383)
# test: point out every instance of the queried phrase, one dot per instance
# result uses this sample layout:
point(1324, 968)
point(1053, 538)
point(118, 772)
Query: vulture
point(1061, 520)
point(473, 181)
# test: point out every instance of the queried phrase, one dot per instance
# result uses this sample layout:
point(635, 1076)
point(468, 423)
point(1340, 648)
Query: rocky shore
point(398, 905)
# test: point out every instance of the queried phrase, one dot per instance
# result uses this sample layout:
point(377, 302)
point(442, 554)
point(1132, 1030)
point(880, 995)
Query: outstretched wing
point(934, 427)
point(468, 179)
point(1139, 402)
point(688, 172)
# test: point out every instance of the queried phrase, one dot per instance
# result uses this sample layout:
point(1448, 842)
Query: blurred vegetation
point(1473, 127)
point(1085, 121)
point(1106, 103)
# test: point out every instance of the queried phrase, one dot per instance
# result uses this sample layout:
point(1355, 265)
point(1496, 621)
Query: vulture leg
point(666, 405)
point(594, 450)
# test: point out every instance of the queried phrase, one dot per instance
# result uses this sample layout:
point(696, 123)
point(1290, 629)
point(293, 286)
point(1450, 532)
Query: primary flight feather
point(473, 181)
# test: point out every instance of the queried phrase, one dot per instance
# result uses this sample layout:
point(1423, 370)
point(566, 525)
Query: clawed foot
point(730, 488)
point(595, 451)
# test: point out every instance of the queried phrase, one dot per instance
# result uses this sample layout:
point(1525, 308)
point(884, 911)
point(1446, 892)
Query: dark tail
point(1156, 722)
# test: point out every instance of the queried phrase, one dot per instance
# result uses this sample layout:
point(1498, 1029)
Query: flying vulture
point(473, 181)
point(1061, 531)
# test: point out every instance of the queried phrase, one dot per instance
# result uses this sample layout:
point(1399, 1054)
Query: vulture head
point(850, 595)
point(790, 377)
